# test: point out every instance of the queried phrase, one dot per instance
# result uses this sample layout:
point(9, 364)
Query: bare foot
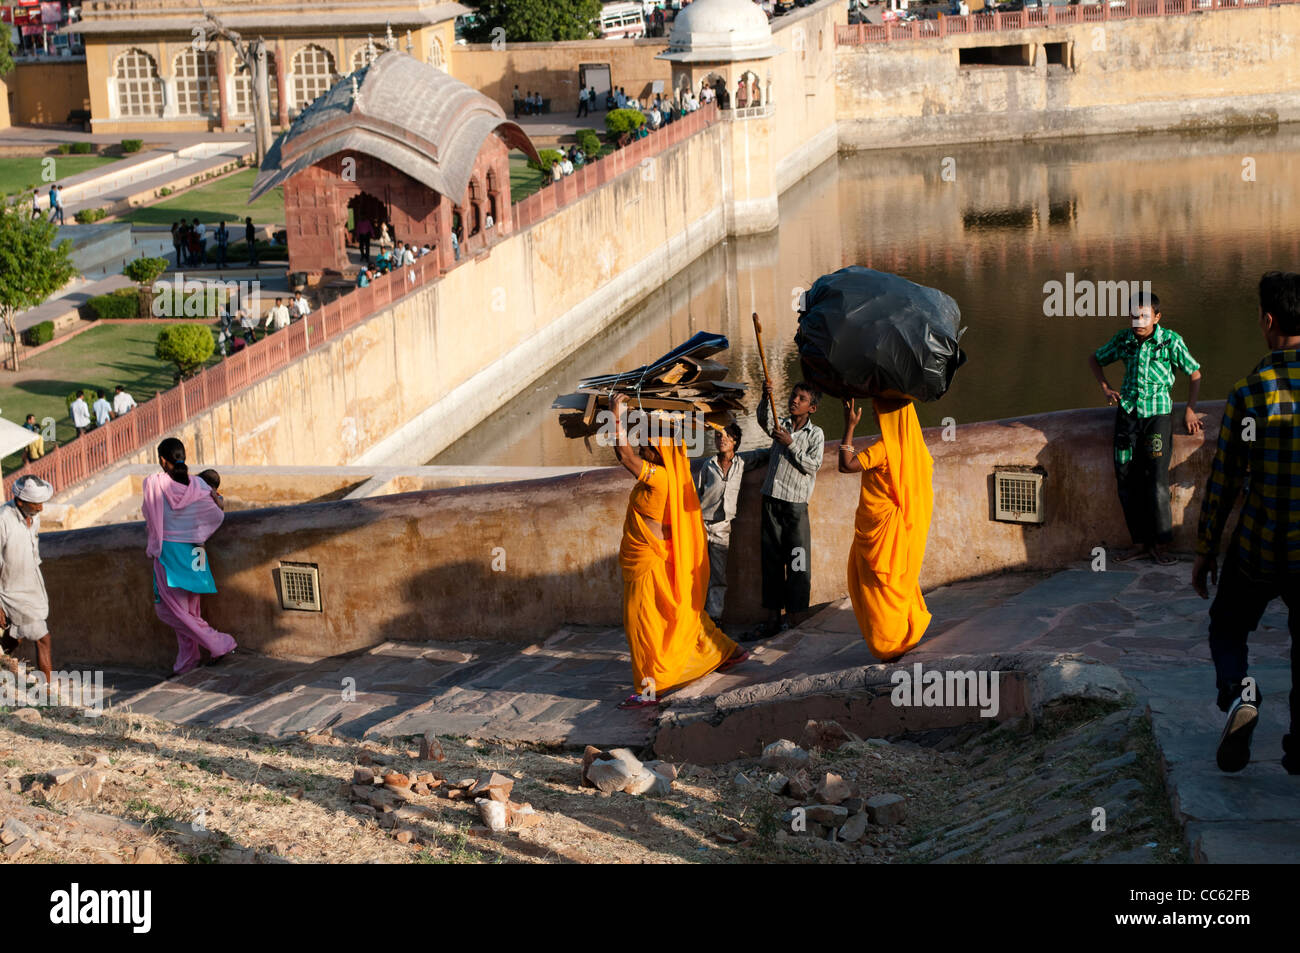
point(1132, 554)
point(1163, 557)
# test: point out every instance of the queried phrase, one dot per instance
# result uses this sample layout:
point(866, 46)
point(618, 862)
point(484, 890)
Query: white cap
point(33, 489)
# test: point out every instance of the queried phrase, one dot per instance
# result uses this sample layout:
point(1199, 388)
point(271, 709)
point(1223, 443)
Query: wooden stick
point(762, 356)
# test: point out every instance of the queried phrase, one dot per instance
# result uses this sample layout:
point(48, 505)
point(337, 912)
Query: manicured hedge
point(88, 215)
point(132, 145)
point(589, 142)
point(39, 334)
point(238, 251)
point(116, 305)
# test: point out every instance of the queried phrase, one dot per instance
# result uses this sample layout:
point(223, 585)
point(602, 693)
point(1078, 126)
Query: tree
point(534, 21)
point(188, 346)
point(144, 272)
point(31, 267)
point(6, 51)
point(252, 54)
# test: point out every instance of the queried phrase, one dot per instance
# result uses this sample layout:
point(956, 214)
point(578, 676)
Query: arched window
point(313, 74)
point(196, 83)
point(437, 58)
point(139, 88)
point(243, 98)
point(366, 52)
point(753, 92)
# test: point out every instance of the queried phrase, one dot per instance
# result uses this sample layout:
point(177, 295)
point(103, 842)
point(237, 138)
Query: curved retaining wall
point(420, 566)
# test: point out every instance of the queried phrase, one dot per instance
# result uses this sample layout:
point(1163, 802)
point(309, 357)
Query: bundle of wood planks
point(684, 380)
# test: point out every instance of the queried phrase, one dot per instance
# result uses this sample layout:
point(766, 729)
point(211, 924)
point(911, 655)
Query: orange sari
point(889, 533)
point(665, 581)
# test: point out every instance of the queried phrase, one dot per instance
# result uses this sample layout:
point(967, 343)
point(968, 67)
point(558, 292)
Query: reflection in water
point(1173, 209)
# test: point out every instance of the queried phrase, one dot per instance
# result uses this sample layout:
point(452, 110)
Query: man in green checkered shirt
point(1144, 421)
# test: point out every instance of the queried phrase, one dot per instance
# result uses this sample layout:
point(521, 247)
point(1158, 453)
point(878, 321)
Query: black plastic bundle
point(866, 333)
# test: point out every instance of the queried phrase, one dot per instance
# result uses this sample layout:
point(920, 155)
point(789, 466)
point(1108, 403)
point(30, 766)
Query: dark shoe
point(1234, 745)
point(1233, 692)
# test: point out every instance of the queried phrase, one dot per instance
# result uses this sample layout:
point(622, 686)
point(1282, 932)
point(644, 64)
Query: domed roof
point(409, 114)
point(720, 31)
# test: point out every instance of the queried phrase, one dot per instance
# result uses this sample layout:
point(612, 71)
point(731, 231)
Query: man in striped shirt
point(1144, 421)
point(798, 445)
point(1259, 447)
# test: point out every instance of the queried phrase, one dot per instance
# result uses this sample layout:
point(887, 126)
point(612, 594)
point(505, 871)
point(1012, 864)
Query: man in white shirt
point(567, 167)
point(24, 604)
point(277, 318)
point(103, 410)
point(80, 414)
point(122, 401)
point(408, 256)
point(488, 220)
point(717, 482)
point(301, 306)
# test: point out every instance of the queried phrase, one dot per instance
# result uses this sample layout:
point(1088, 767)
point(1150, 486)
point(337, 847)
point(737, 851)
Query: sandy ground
point(175, 795)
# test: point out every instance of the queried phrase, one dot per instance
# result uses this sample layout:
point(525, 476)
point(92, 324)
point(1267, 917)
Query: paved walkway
point(1142, 619)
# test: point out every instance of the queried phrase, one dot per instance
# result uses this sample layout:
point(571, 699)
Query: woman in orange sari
point(664, 559)
point(889, 532)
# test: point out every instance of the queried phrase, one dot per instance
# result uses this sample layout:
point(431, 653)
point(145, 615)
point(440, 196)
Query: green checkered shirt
point(1148, 368)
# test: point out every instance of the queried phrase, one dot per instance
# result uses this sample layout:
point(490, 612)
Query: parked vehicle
point(622, 21)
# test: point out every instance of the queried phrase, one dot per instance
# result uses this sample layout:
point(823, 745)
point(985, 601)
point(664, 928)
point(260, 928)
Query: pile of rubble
point(620, 770)
point(826, 805)
point(390, 796)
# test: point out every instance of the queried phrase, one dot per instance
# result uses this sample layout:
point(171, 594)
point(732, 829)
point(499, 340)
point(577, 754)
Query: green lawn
point(99, 359)
point(525, 181)
point(221, 200)
point(24, 172)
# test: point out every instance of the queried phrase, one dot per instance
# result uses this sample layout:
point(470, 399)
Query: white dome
point(720, 30)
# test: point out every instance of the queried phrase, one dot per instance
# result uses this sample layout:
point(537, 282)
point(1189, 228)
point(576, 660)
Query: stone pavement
point(1140, 618)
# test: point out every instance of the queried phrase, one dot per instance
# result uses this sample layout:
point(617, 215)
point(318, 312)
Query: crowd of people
point(190, 243)
point(239, 322)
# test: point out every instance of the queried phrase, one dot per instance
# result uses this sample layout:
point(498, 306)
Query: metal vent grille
point(1019, 496)
point(300, 587)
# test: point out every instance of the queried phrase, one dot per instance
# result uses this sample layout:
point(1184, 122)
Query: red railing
point(859, 34)
point(104, 446)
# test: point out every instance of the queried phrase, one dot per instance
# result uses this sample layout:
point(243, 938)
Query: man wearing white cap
point(24, 606)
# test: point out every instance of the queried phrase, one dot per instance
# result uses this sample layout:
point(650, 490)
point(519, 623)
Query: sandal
point(635, 701)
point(742, 656)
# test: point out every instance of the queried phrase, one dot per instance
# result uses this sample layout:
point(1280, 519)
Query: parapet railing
point(859, 34)
point(105, 446)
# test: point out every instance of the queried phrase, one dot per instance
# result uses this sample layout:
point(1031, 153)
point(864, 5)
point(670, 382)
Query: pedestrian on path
point(103, 410)
point(364, 230)
point(223, 241)
point(664, 563)
point(181, 513)
point(250, 238)
point(890, 527)
point(582, 103)
point(80, 413)
point(1257, 449)
point(717, 484)
point(56, 203)
point(517, 98)
point(1144, 422)
point(122, 401)
point(24, 604)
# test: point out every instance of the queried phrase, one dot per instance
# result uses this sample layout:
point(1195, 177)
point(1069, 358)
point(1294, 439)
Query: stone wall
point(515, 561)
point(1230, 67)
point(45, 91)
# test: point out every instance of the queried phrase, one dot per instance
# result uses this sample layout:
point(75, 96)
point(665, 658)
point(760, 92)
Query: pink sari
point(182, 513)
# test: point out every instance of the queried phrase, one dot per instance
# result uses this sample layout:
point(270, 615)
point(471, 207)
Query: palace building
point(148, 68)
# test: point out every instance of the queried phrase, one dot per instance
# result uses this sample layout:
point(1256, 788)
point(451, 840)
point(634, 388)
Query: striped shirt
point(1148, 368)
point(1259, 447)
point(792, 470)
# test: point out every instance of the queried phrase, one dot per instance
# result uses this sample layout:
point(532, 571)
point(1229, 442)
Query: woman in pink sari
point(180, 513)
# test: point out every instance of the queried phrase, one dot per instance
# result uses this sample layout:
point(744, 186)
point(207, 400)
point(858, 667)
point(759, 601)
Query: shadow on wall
point(513, 562)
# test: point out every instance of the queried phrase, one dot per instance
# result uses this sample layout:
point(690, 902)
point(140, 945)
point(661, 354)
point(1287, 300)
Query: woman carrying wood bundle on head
point(664, 559)
point(890, 530)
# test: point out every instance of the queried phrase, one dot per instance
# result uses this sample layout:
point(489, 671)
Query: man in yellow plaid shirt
point(1259, 447)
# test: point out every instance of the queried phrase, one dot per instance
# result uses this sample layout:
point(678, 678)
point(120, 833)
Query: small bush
point(619, 121)
point(145, 271)
point(589, 142)
point(549, 157)
point(65, 148)
point(39, 334)
point(83, 148)
point(88, 215)
point(166, 190)
point(116, 305)
point(132, 145)
point(188, 346)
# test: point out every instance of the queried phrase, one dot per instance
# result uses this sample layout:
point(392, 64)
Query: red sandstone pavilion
point(398, 142)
